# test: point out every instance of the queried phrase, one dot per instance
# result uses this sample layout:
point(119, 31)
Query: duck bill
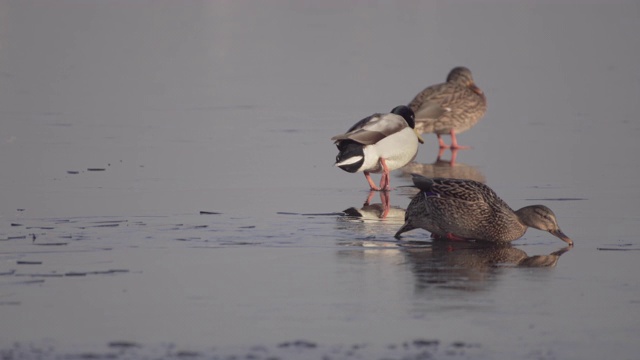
point(420, 139)
point(558, 233)
point(406, 227)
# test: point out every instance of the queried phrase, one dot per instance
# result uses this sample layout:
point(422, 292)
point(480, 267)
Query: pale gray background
point(228, 106)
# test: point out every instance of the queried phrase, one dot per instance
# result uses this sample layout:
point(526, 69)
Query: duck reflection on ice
point(465, 265)
point(372, 220)
point(443, 169)
point(377, 211)
point(440, 267)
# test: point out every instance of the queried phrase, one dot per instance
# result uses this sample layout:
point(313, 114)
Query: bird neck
point(524, 217)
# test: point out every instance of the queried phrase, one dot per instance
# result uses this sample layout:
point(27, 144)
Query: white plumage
point(378, 144)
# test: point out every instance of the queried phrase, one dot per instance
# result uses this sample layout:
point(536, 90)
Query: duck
point(379, 143)
point(462, 209)
point(449, 108)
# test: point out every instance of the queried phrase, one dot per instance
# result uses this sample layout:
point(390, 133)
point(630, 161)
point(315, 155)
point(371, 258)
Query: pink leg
point(451, 236)
point(441, 142)
point(384, 183)
point(371, 183)
point(454, 142)
point(385, 180)
point(454, 154)
point(384, 197)
point(368, 201)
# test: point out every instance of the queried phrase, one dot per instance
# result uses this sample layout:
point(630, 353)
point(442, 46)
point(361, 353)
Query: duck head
point(462, 76)
point(408, 116)
point(542, 218)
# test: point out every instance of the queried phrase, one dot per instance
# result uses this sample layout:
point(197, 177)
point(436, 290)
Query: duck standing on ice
point(379, 143)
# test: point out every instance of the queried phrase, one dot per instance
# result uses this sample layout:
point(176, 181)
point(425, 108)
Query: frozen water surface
point(167, 188)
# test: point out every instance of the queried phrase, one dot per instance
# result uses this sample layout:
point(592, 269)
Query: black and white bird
point(378, 144)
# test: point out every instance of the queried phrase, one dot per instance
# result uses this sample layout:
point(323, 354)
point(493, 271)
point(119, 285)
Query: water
point(167, 189)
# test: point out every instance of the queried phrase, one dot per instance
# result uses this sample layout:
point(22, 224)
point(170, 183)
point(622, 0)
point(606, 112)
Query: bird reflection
point(467, 265)
point(454, 155)
point(443, 269)
point(376, 211)
point(371, 220)
point(444, 169)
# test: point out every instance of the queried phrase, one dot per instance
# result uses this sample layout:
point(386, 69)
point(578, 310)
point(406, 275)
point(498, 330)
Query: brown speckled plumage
point(465, 209)
point(451, 107)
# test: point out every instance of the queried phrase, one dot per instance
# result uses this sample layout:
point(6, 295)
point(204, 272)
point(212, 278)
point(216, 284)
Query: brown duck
point(458, 209)
point(450, 108)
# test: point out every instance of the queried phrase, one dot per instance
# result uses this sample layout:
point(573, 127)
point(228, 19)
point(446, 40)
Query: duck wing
point(430, 110)
point(437, 100)
point(460, 189)
point(374, 128)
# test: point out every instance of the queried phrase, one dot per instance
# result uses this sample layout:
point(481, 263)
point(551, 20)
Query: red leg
point(384, 183)
point(385, 212)
point(384, 198)
point(385, 180)
point(371, 183)
point(451, 236)
point(368, 201)
point(454, 154)
point(454, 141)
point(441, 142)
